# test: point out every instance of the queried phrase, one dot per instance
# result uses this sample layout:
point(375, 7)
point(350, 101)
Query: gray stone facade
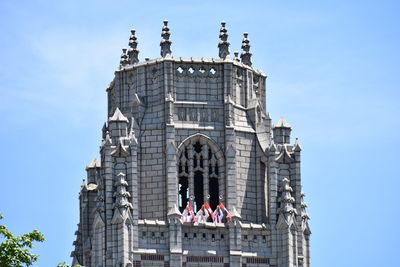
point(197, 130)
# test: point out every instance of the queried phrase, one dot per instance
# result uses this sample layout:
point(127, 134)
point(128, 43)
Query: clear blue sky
point(333, 72)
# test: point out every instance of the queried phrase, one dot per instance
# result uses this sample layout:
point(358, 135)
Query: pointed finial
point(246, 55)
point(124, 58)
point(223, 45)
point(296, 146)
point(107, 140)
point(133, 52)
point(165, 42)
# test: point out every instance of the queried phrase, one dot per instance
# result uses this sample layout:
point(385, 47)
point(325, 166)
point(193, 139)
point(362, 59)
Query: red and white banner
point(209, 210)
point(192, 213)
point(228, 214)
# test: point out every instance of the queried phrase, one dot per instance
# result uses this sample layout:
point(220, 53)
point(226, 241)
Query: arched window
point(200, 178)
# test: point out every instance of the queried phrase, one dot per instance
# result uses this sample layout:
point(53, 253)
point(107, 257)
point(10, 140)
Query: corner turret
point(282, 132)
point(93, 171)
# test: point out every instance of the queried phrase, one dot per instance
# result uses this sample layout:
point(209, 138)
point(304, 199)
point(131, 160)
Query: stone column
point(171, 161)
point(133, 186)
point(235, 240)
point(230, 138)
point(107, 174)
point(175, 236)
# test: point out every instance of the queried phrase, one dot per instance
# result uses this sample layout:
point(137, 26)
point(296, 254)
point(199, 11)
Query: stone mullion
point(191, 173)
point(221, 181)
point(206, 190)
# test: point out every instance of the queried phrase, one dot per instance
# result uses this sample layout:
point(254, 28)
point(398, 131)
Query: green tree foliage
point(14, 250)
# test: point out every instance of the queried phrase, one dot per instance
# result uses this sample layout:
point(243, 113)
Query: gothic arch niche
point(201, 172)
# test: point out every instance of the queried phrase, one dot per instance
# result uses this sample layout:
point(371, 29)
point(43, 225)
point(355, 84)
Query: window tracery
point(199, 176)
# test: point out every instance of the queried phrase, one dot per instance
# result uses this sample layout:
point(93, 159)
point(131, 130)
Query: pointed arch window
point(199, 173)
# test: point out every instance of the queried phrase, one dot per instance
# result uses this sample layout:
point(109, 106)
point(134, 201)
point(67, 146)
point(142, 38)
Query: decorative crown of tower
point(130, 56)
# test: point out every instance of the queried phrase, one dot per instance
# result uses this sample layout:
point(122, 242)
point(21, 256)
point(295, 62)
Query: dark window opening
point(214, 192)
point(183, 193)
point(198, 190)
point(180, 168)
point(197, 147)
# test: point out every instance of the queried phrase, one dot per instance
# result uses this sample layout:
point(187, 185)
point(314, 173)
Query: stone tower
point(192, 130)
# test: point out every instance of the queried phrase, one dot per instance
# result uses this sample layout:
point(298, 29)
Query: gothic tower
point(192, 130)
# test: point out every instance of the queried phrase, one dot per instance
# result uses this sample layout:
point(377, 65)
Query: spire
point(121, 195)
point(124, 58)
point(304, 215)
point(286, 200)
point(133, 52)
point(246, 55)
point(165, 42)
point(223, 45)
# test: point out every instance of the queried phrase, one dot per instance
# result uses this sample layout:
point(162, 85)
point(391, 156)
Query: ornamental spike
point(246, 54)
point(165, 42)
point(133, 52)
point(124, 58)
point(223, 45)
